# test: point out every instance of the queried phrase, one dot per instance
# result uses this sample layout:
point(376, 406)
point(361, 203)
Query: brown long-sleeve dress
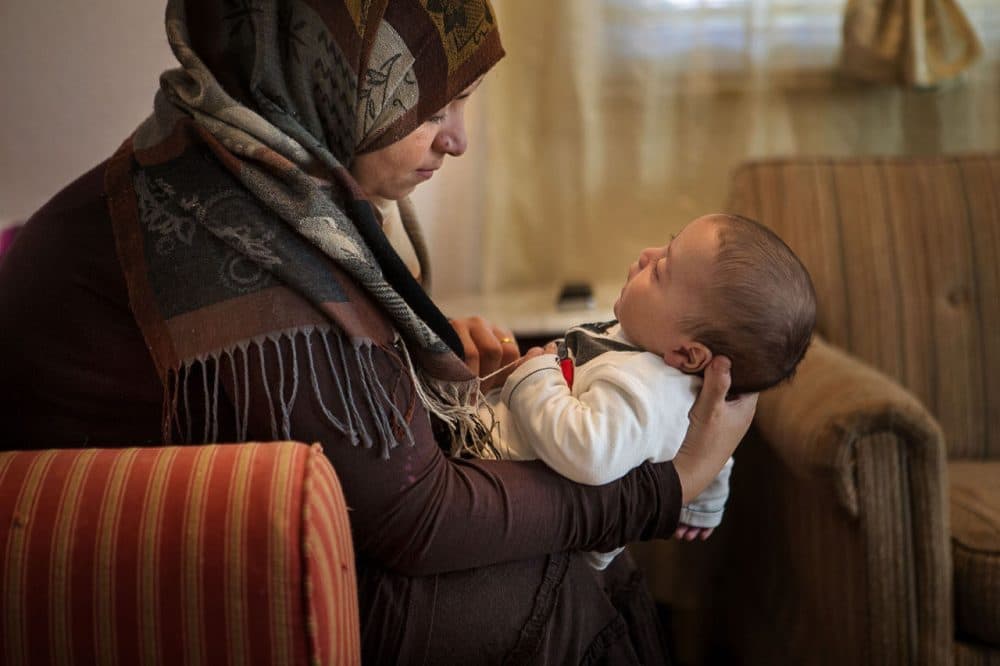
point(459, 561)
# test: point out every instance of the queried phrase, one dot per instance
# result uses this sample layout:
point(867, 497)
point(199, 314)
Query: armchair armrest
point(814, 421)
point(842, 521)
point(183, 554)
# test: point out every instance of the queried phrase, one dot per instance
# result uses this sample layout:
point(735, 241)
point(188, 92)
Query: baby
point(610, 396)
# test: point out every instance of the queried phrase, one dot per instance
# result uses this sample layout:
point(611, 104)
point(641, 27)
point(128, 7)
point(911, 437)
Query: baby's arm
point(618, 420)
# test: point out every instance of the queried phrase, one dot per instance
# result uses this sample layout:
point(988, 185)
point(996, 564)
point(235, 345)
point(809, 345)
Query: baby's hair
point(761, 307)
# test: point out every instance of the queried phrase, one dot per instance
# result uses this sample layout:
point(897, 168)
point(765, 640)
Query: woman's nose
point(452, 139)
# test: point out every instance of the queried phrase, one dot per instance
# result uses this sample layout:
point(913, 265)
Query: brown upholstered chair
point(865, 510)
point(216, 554)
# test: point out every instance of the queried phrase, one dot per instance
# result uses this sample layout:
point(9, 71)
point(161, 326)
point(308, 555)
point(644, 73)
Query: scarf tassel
point(191, 408)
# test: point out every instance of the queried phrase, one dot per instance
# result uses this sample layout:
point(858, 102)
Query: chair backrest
point(219, 554)
point(905, 256)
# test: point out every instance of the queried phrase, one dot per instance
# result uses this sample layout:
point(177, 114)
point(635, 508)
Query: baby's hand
point(532, 353)
point(550, 348)
point(691, 533)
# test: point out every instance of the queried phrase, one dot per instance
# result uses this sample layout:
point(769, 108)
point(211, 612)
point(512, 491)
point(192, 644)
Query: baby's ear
point(690, 357)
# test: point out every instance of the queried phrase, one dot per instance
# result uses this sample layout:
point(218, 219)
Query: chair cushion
point(975, 535)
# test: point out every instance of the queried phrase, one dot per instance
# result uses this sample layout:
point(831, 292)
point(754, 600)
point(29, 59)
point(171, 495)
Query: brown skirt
point(552, 610)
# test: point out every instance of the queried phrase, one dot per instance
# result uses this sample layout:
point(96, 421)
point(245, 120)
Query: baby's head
point(724, 285)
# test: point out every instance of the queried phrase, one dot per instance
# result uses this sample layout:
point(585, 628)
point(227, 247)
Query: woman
point(224, 277)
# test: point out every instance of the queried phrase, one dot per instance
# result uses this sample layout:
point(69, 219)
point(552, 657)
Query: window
point(725, 38)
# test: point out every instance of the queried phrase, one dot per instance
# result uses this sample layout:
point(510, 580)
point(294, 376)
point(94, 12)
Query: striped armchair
point(865, 511)
point(219, 554)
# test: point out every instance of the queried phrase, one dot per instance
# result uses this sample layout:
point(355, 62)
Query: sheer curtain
point(589, 149)
point(586, 134)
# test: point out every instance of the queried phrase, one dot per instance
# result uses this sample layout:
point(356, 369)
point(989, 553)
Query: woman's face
point(394, 171)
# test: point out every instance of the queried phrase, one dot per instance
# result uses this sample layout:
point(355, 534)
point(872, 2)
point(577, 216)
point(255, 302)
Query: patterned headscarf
point(238, 224)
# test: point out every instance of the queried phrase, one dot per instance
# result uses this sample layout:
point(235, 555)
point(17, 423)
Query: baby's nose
point(648, 255)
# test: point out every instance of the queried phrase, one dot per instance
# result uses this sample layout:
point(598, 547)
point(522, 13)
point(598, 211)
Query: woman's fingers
point(713, 411)
point(487, 347)
point(469, 349)
point(510, 351)
point(716, 427)
point(495, 371)
point(714, 389)
point(487, 343)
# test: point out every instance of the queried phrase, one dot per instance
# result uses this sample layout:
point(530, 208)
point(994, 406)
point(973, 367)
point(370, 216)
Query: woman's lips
point(425, 174)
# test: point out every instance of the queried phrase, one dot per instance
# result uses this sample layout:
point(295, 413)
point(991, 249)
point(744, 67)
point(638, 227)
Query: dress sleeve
point(418, 511)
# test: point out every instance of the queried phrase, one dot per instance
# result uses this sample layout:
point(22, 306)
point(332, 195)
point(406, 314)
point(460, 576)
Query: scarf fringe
point(191, 401)
point(456, 405)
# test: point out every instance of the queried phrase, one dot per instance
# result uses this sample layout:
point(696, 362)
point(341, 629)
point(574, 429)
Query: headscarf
point(238, 224)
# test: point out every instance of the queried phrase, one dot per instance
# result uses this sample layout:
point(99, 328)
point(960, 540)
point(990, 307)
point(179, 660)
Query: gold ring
point(505, 341)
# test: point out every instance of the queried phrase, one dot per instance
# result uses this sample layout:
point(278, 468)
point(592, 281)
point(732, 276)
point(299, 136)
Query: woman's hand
point(487, 348)
point(715, 430)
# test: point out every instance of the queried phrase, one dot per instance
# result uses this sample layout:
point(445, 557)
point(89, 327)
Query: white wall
point(451, 210)
point(76, 78)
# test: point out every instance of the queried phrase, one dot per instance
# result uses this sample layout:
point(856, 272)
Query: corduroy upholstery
point(845, 548)
point(218, 554)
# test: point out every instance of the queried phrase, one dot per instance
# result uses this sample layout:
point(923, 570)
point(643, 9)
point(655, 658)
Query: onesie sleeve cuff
point(696, 518)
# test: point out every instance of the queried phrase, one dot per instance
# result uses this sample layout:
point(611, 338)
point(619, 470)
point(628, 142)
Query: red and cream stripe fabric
point(220, 554)
point(330, 579)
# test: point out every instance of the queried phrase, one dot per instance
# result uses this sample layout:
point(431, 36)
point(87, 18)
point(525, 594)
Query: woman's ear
point(689, 357)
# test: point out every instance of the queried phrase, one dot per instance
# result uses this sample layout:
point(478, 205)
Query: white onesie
point(625, 406)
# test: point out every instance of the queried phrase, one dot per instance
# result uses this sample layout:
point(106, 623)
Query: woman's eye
point(436, 118)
